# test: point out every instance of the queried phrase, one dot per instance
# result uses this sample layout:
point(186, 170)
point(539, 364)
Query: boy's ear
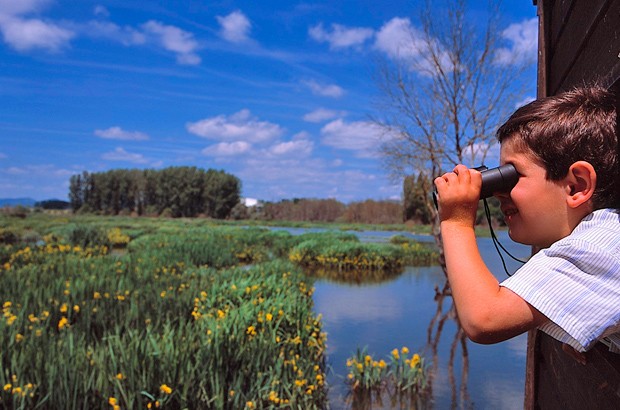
point(581, 182)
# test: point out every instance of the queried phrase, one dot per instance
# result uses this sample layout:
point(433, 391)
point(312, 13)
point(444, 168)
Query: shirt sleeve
point(576, 284)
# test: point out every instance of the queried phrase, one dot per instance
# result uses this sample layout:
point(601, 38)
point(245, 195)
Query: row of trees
point(329, 210)
point(173, 191)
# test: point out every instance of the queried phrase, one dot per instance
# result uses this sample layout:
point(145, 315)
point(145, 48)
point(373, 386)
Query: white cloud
point(25, 34)
point(361, 136)
point(28, 34)
point(38, 170)
point(397, 39)
point(524, 43)
point(101, 11)
point(15, 171)
point(241, 126)
point(117, 133)
point(329, 90)
point(174, 39)
point(322, 114)
point(119, 154)
point(125, 35)
point(235, 27)
point(227, 149)
point(525, 101)
point(340, 36)
point(400, 40)
point(295, 148)
point(14, 7)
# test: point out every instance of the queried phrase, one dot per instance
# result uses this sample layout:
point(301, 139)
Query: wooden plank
point(588, 49)
point(543, 50)
point(565, 383)
point(529, 401)
point(559, 15)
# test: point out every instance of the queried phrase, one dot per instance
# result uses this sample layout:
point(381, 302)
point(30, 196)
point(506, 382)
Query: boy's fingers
point(462, 172)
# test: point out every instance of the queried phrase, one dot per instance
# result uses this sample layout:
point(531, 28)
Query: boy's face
point(535, 209)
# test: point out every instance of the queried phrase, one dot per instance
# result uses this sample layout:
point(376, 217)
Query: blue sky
point(278, 93)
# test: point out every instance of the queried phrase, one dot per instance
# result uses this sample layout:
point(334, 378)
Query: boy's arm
point(488, 312)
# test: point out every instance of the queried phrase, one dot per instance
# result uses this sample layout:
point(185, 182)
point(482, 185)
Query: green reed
point(172, 322)
point(132, 312)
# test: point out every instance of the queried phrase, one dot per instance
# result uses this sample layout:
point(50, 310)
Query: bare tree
point(444, 91)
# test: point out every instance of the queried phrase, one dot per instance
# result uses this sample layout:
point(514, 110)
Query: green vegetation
point(173, 191)
point(178, 313)
point(403, 379)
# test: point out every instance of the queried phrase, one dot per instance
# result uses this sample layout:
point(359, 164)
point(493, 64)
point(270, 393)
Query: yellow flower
point(249, 404)
point(76, 308)
point(415, 360)
point(96, 295)
point(404, 350)
point(112, 401)
point(7, 387)
point(395, 354)
point(119, 376)
point(165, 389)
point(62, 323)
point(269, 316)
point(231, 393)
point(19, 337)
point(63, 308)
point(7, 305)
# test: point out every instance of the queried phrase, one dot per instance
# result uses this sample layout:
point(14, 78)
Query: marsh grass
point(399, 378)
point(173, 323)
point(188, 315)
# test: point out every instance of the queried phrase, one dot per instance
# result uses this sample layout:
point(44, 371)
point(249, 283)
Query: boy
point(565, 203)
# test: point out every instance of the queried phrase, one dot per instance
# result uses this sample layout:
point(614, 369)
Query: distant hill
point(17, 201)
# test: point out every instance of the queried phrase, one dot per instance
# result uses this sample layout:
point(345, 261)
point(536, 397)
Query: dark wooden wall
point(579, 43)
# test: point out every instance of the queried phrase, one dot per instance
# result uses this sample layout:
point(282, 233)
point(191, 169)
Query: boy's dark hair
point(577, 125)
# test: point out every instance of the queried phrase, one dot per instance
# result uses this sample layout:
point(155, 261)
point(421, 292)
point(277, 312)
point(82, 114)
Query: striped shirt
point(576, 283)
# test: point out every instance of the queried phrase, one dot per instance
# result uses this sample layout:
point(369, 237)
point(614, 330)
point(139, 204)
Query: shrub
point(88, 236)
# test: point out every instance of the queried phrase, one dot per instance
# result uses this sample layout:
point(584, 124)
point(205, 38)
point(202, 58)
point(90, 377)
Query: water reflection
point(415, 310)
point(354, 277)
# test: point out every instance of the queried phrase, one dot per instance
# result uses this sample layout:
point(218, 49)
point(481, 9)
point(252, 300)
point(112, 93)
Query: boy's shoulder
point(594, 244)
point(600, 225)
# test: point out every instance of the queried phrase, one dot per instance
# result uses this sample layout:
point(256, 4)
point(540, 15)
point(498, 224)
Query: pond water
point(399, 312)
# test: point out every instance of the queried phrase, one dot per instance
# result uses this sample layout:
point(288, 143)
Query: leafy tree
point(177, 191)
point(76, 192)
point(415, 190)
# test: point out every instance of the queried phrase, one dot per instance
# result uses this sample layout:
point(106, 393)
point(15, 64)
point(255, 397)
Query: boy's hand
point(458, 195)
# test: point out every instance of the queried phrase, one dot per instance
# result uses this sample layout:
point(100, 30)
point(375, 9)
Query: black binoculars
point(494, 180)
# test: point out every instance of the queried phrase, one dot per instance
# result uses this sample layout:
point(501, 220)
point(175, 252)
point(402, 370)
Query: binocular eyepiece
point(500, 179)
point(494, 180)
